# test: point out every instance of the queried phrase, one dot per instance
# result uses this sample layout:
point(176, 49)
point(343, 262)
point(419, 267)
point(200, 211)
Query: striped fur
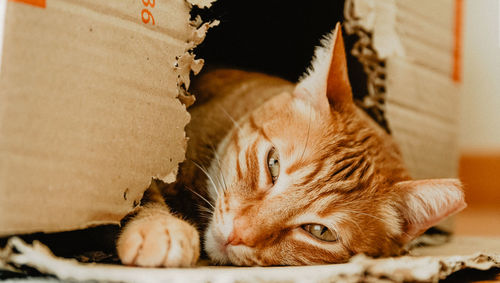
point(335, 169)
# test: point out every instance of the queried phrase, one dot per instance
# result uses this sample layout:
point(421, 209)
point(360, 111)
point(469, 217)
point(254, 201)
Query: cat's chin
point(215, 247)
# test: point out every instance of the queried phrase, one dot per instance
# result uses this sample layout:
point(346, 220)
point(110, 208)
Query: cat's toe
point(184, 248)
point(156, 242)
point(128, 246)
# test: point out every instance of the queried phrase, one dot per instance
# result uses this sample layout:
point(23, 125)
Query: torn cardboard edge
point(201, 3)
point(359, 20)
point(360, 268)
point(186, 63)
point(379, 19)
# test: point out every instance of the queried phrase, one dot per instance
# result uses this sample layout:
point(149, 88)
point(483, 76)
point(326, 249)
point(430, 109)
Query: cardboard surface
point(88, 108)
point(3, 7)
point(432, 264)
point(422, 98)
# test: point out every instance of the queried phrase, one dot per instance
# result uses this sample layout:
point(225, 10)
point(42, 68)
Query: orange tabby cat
point(291, 175)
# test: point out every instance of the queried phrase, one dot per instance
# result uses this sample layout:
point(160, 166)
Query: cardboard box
point(89, 107)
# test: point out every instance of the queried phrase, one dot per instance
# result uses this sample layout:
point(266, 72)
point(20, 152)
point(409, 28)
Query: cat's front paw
point(157, 241)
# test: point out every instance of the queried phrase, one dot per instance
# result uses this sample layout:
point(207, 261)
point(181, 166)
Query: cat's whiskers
point(224, 187)
point(308, 132)
point(205, 209)
point(205, 212)
point(219, 163)
point(200, 196)
point(208, 176)
point(220, 181)
point(230, 118)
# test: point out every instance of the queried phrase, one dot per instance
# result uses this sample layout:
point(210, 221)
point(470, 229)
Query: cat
point(291, 174)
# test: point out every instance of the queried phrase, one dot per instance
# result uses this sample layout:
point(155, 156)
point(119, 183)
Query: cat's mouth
point(222, 252)
point(216, 245)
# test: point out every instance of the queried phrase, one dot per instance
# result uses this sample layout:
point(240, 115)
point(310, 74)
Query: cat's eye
point(321, 232)
point(273, 164)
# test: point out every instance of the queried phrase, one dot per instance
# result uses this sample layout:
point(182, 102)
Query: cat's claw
point(159, 241)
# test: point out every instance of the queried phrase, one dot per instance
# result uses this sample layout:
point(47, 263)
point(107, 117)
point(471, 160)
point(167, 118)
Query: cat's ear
point(427, 202)
point(326, 82)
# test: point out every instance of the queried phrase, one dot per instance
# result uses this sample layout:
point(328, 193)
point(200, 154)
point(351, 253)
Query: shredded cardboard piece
point(201, 3)
point(360, 268)
point(184, 66)
point(200, 33)
point(186, 63)
point(378, 18)
point(170, 178)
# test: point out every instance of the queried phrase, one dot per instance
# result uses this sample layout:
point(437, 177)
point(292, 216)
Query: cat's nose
point(242, 234)
point(233, 239)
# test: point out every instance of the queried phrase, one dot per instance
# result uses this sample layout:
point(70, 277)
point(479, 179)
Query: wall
point(480, 100)
point(480, 113)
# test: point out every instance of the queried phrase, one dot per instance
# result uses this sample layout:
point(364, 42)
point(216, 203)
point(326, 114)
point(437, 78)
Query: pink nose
point(242, 233)
point(233, 239)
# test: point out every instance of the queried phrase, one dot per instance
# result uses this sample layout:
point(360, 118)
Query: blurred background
point(480, 118)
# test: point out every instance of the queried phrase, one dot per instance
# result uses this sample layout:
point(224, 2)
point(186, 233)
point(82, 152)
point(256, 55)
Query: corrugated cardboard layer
point(424, 268)
point(421, 100)
point(88, 109)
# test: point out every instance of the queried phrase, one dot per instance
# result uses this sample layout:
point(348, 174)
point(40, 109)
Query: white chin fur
point(213, 248)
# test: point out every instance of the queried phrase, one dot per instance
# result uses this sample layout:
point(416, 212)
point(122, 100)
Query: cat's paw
point(159, 241)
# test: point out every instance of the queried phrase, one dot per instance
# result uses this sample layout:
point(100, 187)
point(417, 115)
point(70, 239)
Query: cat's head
point(310, 179)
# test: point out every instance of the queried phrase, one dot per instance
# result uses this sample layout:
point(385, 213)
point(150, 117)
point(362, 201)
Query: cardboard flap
point(89, 108)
